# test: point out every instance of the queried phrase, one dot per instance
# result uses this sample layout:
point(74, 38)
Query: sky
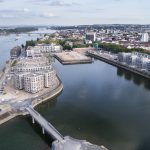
point(74, 12)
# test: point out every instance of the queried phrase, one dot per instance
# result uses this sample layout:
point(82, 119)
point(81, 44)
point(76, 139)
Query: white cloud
point(26, 10)
point(7, 16)
point(48, 15)
point(55, 3)
point(62, 3)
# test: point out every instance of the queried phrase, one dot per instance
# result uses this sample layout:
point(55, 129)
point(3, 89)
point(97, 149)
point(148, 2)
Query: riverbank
point(12, 113)
point(120, 65)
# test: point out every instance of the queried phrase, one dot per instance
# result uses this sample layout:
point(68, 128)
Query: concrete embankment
point(48, 96)
point(68, 58)
point(35, 102)
point(71, 62)
point(117, 64)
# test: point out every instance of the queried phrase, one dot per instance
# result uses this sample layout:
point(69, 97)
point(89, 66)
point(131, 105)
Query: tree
point(30, 43)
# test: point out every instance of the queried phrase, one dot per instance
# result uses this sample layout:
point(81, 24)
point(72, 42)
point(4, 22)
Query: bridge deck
point(45, 124)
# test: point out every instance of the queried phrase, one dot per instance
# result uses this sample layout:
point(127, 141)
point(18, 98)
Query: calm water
point(99, 103)
point(8, 42)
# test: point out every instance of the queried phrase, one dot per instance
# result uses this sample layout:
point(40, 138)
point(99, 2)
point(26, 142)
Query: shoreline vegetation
point(114, 48)
point(65, 43)
point(17, 30)
point(76, 43)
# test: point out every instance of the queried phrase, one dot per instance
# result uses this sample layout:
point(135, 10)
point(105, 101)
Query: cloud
point(48, 15)
point(58, 3)
point(7, 16)
point(25, 13)
point(26, 10)
point(62, 3)
point(12, 13)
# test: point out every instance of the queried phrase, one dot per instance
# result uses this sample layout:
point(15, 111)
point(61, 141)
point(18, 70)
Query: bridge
point(60, 142)
point(46, 126)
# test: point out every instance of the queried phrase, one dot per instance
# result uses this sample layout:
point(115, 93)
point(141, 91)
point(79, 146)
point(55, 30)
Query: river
point(100, 103)
point(11, 40)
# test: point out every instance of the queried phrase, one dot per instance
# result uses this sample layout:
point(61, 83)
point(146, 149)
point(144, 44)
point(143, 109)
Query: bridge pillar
point(33, 121)
point(43, 131)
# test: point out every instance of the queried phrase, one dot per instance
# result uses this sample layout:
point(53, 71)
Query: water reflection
point(138, 80)
point(96, 105)
point(145, 144)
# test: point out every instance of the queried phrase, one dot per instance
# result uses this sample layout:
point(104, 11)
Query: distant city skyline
point(74, 12)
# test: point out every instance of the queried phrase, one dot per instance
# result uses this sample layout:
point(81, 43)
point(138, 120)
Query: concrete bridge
point(46, 126)
point(60, 142)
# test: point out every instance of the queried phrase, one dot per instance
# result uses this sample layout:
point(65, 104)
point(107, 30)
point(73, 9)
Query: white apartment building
point(44, 48)
point(39, 49)
point(34, 74)
point(33, 83)
point(35, 64)
point(47, 48)
point(122, 57)
point(49, 78)
point(18, 81)
point(33, 52)
point(141, 62)
point(148, 66)
point(131, 59)
point(145, 37)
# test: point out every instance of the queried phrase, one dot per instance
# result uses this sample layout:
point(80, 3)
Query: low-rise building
point(33, 52)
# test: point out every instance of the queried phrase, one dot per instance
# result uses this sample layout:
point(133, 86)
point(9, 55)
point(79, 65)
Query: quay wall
point(72, 61)
point(36, 101)
point(117, 64)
